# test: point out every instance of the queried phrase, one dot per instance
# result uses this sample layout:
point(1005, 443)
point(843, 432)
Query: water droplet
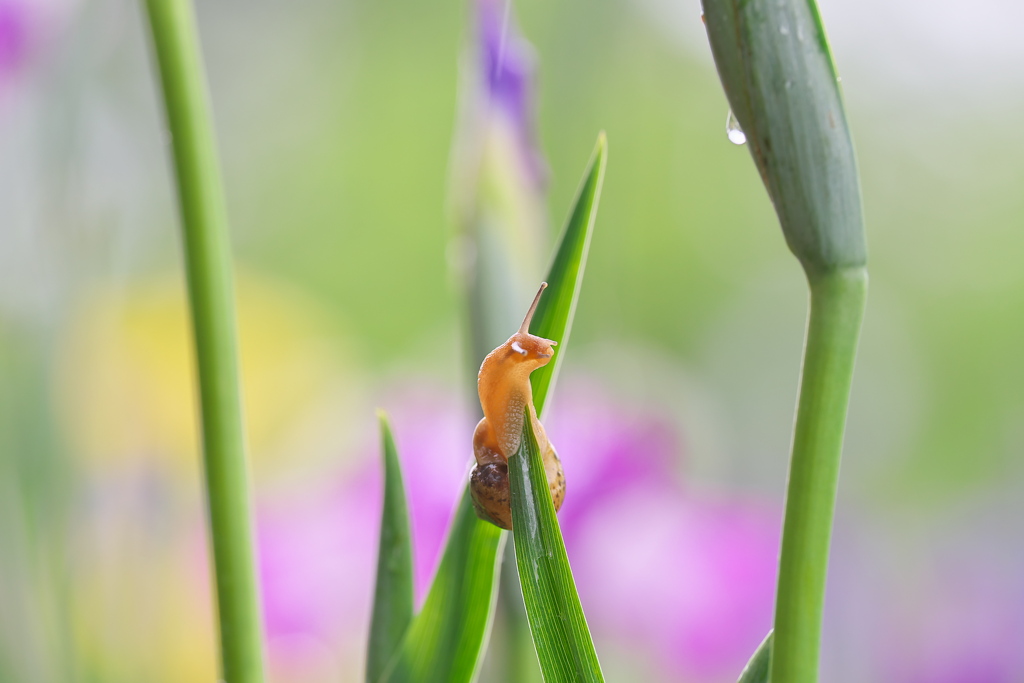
point(784, 30)
point(789, 84)
point(733, 130)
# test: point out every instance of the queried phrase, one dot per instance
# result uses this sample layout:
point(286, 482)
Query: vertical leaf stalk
point(833, 328)
point(777, 71)
point(211, 297)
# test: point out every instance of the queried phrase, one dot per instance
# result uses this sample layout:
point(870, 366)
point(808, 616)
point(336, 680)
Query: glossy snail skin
point(505, 392)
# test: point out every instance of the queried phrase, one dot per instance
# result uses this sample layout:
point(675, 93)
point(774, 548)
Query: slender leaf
point(445, 640)
point(564, 646)
point(756, 670)
point(207, 251)
point(565, 276)
point(393, 596)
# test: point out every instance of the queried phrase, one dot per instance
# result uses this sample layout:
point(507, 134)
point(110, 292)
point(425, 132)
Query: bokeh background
point(673, 414)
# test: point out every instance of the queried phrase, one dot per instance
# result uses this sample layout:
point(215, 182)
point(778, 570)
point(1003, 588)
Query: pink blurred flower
point(961, 621)
point(684, 576)
point(14, 34)
point(26, 26)
point(317, 549)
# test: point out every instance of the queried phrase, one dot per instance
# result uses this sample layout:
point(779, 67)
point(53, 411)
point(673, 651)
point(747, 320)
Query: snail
point(505, 392)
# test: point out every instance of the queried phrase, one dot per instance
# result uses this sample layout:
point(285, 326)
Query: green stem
point(837, 307)
point(208, 270)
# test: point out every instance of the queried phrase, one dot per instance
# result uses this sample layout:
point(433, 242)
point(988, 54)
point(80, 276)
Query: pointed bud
point(774, 63)
point(498, 176)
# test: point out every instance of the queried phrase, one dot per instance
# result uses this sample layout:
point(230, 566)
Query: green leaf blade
point(756, 670)
point(564, 645)
point(555, 311)
point(208, 274)
point(393, 595)
point(446, 639)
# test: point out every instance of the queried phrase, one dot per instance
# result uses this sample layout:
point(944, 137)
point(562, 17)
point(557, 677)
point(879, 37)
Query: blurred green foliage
point(335, 120)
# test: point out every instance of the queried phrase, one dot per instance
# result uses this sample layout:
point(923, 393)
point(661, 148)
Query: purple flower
point(498, 172)
point(498, 177)
point(507, 67)
point(15, 31)
point(961, 618)
point(25, 27)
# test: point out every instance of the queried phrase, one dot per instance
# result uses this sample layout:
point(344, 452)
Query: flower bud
point(498, 177)
point(774, 63)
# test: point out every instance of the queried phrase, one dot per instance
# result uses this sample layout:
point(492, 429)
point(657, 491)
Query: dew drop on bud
point(733, 130)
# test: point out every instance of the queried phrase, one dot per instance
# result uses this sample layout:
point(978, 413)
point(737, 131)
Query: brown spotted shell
point(488, 485)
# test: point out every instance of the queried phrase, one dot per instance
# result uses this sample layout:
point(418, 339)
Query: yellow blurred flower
point(126, 378)
point(139, 589)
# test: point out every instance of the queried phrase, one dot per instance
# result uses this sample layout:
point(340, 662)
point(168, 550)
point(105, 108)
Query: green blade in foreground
point(208, 273)
point(756, 670)
point(553, 319)
point(564, 646)
point(393, 596)
point(445, 640)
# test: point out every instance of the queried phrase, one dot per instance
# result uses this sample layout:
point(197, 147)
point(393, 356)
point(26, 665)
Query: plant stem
point(208, 271)
point(833, 328)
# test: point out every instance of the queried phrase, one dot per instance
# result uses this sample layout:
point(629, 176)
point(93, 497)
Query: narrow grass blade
point(553, 319)
point(446, 639)
point(211, 299)
point(564, 646)
point(756, 670)
point(393, 596)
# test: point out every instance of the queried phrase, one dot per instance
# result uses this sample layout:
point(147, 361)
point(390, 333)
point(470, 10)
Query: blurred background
point(336, 123)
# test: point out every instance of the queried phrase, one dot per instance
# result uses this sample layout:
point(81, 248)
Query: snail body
point(505, 395)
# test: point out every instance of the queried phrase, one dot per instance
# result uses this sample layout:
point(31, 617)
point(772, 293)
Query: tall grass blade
point(565, 276)
point(756, 670)
point(564, 646)
point(445, 639)
point(211, 299)
point(393, 595)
